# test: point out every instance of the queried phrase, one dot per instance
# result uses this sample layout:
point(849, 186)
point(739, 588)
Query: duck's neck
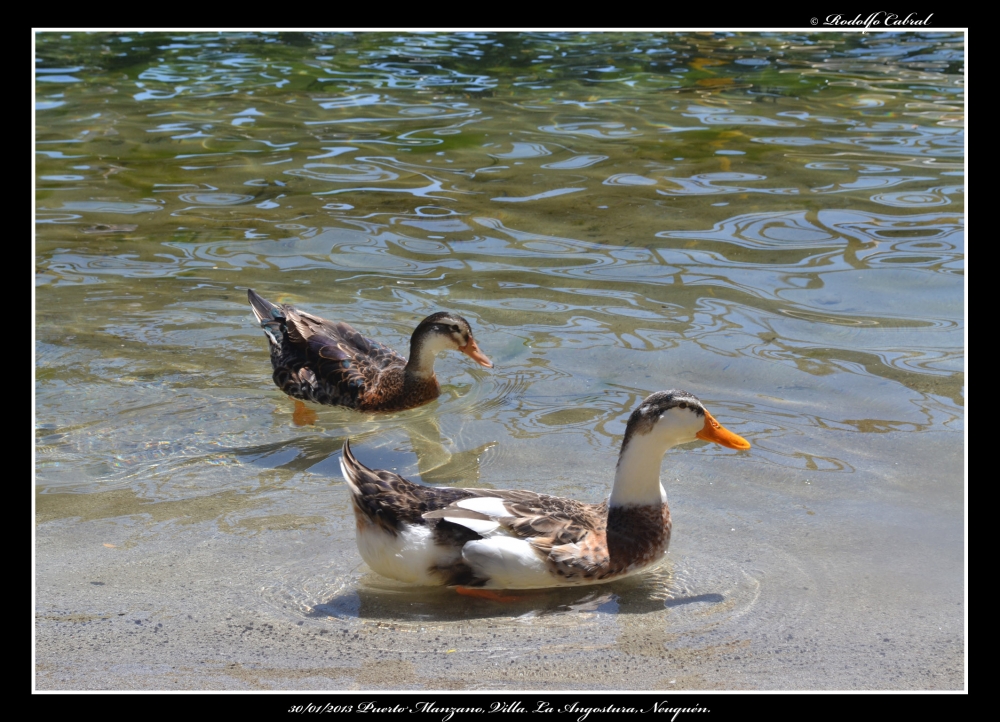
point(423, 351)
point(637, 477)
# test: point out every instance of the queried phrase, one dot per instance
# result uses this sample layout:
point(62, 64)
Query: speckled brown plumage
point(331, 363)
point(581, 543)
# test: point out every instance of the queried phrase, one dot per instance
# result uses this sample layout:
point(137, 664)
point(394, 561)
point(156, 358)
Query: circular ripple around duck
point(387, 600)
point(714, 595)
point(706, 594)
point(315, 587)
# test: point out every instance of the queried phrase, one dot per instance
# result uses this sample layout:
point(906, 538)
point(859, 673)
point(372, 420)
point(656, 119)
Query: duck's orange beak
point(472, 351)
point(714, 431)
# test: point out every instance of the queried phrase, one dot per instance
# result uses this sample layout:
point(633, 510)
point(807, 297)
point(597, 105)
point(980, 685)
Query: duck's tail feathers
point(264, 310)
point(270, 316)
point(352, 469)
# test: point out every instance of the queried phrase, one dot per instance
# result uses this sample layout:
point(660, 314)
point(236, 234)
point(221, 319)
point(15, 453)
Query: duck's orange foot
point(303, 415)
point(486, 594)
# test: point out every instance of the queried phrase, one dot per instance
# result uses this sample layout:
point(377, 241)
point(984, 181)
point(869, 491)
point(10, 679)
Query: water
point(774, 222)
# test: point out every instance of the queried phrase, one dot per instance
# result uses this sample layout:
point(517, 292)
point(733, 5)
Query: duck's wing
point(552, 520)
point(531, 540)
point(339, 355)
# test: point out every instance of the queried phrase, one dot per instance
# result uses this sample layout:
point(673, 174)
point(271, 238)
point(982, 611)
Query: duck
point(478, 540)
point(330, 363)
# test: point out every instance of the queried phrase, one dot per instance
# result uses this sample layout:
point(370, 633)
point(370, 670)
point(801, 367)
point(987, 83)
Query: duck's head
point(441, 332)
point(663, 419)
point(677, 417)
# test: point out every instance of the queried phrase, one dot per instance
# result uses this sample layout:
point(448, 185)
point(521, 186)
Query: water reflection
point(378, 598)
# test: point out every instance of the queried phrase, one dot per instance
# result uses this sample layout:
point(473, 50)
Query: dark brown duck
point(330, 363)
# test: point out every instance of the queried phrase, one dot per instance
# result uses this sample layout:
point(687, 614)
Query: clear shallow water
point(774, 222)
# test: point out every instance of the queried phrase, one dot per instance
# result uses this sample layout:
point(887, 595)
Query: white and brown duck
point(330, 363)
point(488, 539)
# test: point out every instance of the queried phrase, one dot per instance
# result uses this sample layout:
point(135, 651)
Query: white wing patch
point(507, 562)
point(480, 526)
point(488, 505)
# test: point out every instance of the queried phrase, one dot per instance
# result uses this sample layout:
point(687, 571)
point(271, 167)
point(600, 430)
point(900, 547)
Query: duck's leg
point(303, 415)
point(486, 594)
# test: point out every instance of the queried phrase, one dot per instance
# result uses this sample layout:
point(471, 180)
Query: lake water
point(774, 222)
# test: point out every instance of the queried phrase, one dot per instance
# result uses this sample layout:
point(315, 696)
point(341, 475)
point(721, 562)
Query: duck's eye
point(454, 328)
point(683, 404)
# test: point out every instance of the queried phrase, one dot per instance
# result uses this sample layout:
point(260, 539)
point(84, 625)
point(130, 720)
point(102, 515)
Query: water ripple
point(710, 184)
point(591, 129)
point(537, 196)
point(215, 199)
point(110, 207)
point(917, 199)
point(580, 161)
point(358, 173)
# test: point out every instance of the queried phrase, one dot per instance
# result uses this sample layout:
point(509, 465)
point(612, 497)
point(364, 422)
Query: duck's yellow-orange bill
point(472, 351)
point(714, 431)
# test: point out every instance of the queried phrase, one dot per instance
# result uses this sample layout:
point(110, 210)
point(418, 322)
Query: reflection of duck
point(520, 539)
point(438, 462)
point(331, 363)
